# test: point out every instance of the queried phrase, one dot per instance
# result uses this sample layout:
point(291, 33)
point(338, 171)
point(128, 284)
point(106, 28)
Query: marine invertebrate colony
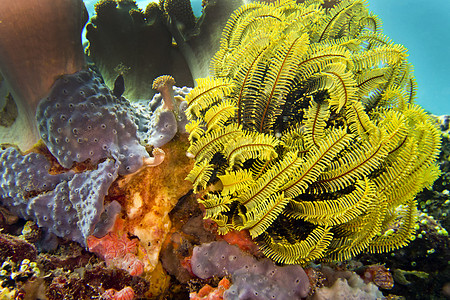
point(308, 135)
point(67, 205)
point(252, 279)
point(191, 37)
point(81, 119)
point(160, 119)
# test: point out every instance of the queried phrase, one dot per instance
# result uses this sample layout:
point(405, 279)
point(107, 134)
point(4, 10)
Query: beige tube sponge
point(40, 40)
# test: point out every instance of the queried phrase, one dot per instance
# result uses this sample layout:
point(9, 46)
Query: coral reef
point(436, 201)
point(121, 36)
point(15, 249)
point(379, 275)
point(180, 12)
point(187, 231)
point(147, 197)
point(307, 135)
point(41, 40)
point(303, 147)
point(117, 251)
point(126, 293)
point(93, 281)
point(252, 279)
point(209, 293)
point(7, 219)
point(340, 281)
point(207, 31)
point(72, 210)
point(353, 289)
point(20, 281)
point(72, 203)
point(119, 33)
point(69, 271)
point(421, 270)
point(80, 119)
point(160, 119)
point(31, 232)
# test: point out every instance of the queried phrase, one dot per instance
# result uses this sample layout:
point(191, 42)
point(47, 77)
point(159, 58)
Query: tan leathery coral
point(40, 40)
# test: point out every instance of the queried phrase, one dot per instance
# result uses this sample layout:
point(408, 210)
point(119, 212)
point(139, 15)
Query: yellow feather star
point(309, 133)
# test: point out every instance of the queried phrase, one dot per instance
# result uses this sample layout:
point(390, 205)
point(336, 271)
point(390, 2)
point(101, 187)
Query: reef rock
point(147, 197)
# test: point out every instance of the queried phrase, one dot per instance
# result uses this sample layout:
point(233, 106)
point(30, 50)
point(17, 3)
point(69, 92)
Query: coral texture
point(209, 293)
point(121, 36)
point(117, 251)
point(80, 119)
point(15, 249)
point(20, 281)
point(41, 40)
point(379, 275)
point(352, 289)
point(160, 119)
point(252, 279)
point(207, 30)
point(180, 11)
point(147, 197)
point(67, 205)
point(308, 136)
point(93, 282)
point(126, 293)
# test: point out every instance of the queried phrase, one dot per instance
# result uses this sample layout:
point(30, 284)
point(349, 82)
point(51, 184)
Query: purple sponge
point(75, 207)
point(252, 279)
point(81, 119)
point(21, 176)
point(157, 126)
point(68, 205)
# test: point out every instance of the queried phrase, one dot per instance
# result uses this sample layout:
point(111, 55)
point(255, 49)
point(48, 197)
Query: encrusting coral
point(41, 40)
point(307, 135)
point(147, 197)
point(207, 292)
point(117, 251)
point(180, 11)
point(18, 280)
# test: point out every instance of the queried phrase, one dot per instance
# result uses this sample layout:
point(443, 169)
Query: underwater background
point(298, 169)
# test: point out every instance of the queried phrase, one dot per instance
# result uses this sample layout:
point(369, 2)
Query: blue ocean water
point(421, 26)
point(424, 28)
point(196, 5)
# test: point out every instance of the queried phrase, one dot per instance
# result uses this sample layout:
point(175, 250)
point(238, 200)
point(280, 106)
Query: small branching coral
point(307, 135)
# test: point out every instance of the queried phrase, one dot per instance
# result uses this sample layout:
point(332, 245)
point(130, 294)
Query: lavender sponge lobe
point(252, 279)
point(81, 119)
